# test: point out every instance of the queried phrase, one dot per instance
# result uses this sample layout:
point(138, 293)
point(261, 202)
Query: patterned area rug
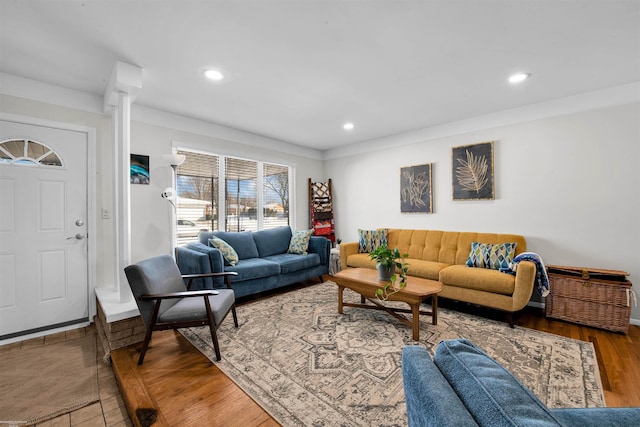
point(307, 365)
point(42, 382)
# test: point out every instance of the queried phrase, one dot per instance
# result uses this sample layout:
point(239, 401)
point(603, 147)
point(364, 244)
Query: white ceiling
point(297, 70)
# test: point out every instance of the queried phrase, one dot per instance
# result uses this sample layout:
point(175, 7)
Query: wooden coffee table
point(365, 281)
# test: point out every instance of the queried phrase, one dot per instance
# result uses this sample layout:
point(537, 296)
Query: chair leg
point(145, 345)
point(320, 278)
point(235, 316)
point(150, 326)
point(214, 338)
point(212, 327)
point(510, 319)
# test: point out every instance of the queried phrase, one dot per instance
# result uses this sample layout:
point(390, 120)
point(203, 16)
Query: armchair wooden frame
point(155, 326)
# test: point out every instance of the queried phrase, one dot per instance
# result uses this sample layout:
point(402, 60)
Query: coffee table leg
point(434, 309)
point(340, 290)
point(415, 313)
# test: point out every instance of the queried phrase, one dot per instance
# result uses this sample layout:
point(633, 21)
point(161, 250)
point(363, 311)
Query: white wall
point(569, 184)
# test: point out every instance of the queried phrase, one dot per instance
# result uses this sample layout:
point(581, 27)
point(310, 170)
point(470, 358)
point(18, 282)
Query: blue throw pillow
point(228, 253)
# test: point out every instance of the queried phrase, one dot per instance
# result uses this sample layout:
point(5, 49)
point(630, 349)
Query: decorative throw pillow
point(370, 239)
point(300, 242)
point(228, 253)
point(494, 256)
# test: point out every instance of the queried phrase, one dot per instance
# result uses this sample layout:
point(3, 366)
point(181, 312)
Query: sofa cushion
point(430, 399)
point(272, 241)
point(293, 262)
point(482, 279)
point(300, 242)
point(242, 242)
point(360, 261)
point(228, 253)
point(253, 268)
point(425, 269)
point(487, 255)
point(370, 240)
point(493, 395)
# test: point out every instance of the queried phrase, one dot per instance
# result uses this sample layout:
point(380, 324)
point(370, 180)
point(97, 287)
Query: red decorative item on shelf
point(321, 209)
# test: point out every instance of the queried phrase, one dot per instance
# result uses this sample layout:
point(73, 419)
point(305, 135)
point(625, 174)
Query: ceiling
point(296, 71)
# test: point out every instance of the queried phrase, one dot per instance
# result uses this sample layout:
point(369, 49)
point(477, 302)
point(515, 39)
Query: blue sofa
point(463, 386)
point(263, 264)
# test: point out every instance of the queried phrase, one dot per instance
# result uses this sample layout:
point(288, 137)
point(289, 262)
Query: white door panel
point(43, 265)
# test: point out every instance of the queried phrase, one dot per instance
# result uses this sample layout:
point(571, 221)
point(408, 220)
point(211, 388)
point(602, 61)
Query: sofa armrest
point(190, 261)
point(215, 256)
point(525, 279)
point(430, 399)
point(347, 249)
point(214, 261)
point(491, 393)
point(322, 247)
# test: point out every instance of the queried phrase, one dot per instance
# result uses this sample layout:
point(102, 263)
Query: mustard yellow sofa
point(442, 255)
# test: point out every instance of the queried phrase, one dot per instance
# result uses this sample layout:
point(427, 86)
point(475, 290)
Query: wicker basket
point(592, 297)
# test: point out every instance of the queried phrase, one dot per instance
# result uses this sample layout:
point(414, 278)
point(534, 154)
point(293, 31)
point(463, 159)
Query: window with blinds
point(275, 190)
point(197, 189)
point(241, 179)
point(255, 195)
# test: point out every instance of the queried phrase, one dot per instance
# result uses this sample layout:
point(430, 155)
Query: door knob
point(79, 223)
point(78, 236)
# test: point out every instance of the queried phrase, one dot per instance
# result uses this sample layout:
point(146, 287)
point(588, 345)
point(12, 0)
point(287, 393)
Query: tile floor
point(109, 411)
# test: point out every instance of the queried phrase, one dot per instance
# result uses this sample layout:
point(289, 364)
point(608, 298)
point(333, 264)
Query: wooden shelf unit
point(321, 210)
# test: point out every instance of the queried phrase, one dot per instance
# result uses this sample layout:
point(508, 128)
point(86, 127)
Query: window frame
point(260, 189)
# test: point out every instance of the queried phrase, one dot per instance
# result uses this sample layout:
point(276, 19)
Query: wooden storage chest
point(592, 297)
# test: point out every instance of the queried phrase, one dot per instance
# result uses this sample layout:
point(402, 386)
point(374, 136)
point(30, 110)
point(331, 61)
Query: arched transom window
point(28, 152)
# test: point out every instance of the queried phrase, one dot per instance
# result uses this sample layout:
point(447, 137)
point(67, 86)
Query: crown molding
point(57, 95)
point(605, 98)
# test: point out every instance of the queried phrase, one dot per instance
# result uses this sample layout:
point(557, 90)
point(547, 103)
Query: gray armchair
point(166, 303)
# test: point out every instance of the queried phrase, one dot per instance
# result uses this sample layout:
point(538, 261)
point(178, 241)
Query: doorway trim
point(91, 208)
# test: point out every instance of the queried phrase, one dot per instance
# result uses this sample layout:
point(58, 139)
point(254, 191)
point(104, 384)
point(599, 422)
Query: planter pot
point(386, 273)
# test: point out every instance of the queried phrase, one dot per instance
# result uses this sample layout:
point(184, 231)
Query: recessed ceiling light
point(519, 77)
point(348, 126)
point(214, 75)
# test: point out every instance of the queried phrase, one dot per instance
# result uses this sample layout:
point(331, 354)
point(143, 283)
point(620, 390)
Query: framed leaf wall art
point(415, 189)
point(472, 170)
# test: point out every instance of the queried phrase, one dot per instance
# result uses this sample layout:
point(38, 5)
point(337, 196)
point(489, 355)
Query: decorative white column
point(124, 85)
point(122, 195)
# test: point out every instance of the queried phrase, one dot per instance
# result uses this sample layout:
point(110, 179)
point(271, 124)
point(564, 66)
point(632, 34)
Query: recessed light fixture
point(519, 77)
point(215, 75)
point(348, 126)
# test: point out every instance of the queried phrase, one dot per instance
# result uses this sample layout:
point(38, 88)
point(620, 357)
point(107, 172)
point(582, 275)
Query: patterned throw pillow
point(370, 239)
point(494, 256)
point(299, 242)
point(228, 253)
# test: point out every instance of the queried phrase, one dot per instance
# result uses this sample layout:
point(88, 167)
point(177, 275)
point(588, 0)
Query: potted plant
point(387, 262)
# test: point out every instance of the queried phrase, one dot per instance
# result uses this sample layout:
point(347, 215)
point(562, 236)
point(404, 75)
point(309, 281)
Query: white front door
point(43, 228)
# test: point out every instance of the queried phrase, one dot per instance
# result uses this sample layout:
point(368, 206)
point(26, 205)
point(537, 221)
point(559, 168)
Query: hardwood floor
point(180, 386)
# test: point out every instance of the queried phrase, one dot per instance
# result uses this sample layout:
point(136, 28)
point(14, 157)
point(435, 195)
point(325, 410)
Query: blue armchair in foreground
point(166, 303)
